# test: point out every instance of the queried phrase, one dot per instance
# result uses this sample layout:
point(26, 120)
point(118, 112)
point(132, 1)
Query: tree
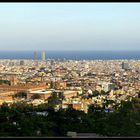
point(53, 100)
point(121, 122)
point(51, 84)
point(103, 92)
point(42, 107)
point(20, 94)
point(139, 94)
point(36, 96)
point(5, 82)
point(96, 93)
point(4, 107)
point(109, 102)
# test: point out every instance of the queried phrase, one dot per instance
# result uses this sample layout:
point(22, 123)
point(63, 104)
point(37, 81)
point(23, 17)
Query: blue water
point(87, 55)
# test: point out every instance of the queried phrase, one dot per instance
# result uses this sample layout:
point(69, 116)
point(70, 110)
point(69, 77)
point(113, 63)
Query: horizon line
point(67, 50)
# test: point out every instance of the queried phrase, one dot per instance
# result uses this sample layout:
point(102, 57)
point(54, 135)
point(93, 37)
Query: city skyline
point(69, 26)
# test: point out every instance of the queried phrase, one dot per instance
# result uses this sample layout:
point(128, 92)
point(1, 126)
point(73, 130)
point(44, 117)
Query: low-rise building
point(44, 94)
point(6, 96)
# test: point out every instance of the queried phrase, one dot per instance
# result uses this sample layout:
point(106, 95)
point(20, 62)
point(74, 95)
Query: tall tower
point(35, 55)
point(35, 58)
point(43, 56)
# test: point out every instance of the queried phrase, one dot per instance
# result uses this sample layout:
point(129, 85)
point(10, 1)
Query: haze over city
point(69, 26)
point(69, 70)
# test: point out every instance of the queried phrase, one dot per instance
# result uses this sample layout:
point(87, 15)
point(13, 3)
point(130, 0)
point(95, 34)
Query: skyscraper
point(35, 55)
point(125, 65)
point(21, 62)
point(43, 56)
point(35, 58)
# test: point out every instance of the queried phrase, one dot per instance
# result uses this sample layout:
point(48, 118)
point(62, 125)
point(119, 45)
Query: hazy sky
point(69, 26)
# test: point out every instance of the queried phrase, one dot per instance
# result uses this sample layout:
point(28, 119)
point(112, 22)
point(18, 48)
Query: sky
point(69, 26)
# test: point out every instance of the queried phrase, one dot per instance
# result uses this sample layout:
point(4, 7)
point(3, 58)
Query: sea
point(73, 55)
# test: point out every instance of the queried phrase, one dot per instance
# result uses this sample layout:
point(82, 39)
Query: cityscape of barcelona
point(70, 70)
